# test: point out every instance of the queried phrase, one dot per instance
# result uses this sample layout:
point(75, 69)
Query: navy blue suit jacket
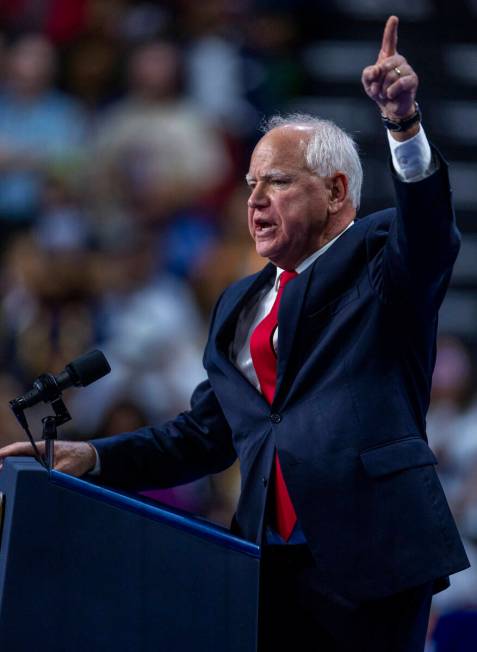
point(356, 350)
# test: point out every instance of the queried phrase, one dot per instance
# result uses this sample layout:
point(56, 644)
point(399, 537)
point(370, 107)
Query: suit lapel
point(326, 278)
point(236, 302)
point(291, 307)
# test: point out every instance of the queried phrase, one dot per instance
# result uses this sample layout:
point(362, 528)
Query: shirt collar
point(311, 259)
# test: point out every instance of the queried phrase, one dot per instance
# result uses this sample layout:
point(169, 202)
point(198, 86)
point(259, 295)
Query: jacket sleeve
point(197, 442)
point(423, 241)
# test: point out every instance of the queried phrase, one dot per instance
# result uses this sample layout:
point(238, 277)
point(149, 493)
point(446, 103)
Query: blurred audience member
point(452, 429)
point(452, 417)
point(274, 59)
point(40, 130)
point(216, 69)
point(156, 155)
point(123, 415)
point(10, 430)
point(3, 49)
point(145, 20)
point(62, 224)
point(151, 332)
point(47, 307)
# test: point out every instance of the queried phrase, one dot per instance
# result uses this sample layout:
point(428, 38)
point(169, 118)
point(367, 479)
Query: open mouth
point(263, 227)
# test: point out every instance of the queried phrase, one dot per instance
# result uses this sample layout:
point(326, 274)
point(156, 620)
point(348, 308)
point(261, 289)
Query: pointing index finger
point(390, 37)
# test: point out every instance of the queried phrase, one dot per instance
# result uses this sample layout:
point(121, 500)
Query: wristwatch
point(402, 125)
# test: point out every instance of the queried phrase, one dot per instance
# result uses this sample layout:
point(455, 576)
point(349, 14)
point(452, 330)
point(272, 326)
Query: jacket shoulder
point(378, 220)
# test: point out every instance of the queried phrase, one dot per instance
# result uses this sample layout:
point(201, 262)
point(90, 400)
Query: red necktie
point(265, 363)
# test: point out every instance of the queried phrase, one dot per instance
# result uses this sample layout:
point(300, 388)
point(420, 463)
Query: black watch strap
point(402, 125)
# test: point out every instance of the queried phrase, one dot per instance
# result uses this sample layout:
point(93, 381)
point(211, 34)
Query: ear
point(338, 192)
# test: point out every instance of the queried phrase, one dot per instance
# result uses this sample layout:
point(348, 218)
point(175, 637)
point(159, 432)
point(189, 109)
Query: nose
point(258, 197)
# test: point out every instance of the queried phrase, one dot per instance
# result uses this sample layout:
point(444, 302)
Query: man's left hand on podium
point(72, 457)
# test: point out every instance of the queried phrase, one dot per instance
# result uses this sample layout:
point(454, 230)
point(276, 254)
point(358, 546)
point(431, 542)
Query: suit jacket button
point(264, 481)
point(275, 418)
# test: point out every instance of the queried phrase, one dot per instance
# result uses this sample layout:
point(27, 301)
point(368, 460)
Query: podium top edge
point(168, 516)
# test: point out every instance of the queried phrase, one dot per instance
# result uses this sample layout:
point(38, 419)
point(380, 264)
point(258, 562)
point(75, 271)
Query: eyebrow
point(271, 174)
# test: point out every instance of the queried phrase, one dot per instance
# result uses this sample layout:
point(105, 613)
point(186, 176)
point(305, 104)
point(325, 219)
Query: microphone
point(81, 372)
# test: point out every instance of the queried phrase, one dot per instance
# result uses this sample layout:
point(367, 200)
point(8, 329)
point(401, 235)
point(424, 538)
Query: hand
point(72, 457)
point(391, 82)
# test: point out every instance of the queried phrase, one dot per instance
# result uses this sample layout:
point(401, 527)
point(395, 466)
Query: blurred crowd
point(123, 145)
point(125, 132)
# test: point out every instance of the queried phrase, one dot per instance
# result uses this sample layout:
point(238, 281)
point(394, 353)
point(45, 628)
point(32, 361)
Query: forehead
point(281, 148)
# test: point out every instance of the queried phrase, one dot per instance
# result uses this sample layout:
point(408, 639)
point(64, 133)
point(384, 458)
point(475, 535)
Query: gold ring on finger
point(397, 71)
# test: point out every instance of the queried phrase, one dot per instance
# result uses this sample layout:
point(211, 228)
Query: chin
point(278, 262)
point(267, 251)
point(264, 252)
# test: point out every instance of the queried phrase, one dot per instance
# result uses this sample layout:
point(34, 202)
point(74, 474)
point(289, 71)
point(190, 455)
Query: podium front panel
point(86, 568)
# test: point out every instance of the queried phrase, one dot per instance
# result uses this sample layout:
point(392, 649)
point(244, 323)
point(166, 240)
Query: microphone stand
point(50, 432)
point(50, 426)
point(47, 388)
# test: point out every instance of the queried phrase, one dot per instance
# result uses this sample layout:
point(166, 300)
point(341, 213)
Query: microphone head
point(88, 368)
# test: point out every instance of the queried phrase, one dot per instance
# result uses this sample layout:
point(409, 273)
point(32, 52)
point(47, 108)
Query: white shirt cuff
point(96, 470)
point(412, 159)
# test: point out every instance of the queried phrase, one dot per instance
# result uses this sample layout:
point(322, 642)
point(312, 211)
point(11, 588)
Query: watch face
point(392, 126)
point(401, 126)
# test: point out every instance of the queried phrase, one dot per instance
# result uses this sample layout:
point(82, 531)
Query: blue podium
point(84, 568)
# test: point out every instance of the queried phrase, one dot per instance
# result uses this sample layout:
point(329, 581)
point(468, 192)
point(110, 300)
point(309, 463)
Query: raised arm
point(392, 83)
point(423, 240)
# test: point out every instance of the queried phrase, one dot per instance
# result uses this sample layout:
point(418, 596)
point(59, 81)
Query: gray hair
point(329, 149)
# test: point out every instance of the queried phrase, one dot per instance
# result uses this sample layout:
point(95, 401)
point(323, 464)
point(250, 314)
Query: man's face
point(288, 205)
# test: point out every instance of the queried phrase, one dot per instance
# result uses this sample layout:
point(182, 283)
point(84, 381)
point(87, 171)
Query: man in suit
point(319, 371)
